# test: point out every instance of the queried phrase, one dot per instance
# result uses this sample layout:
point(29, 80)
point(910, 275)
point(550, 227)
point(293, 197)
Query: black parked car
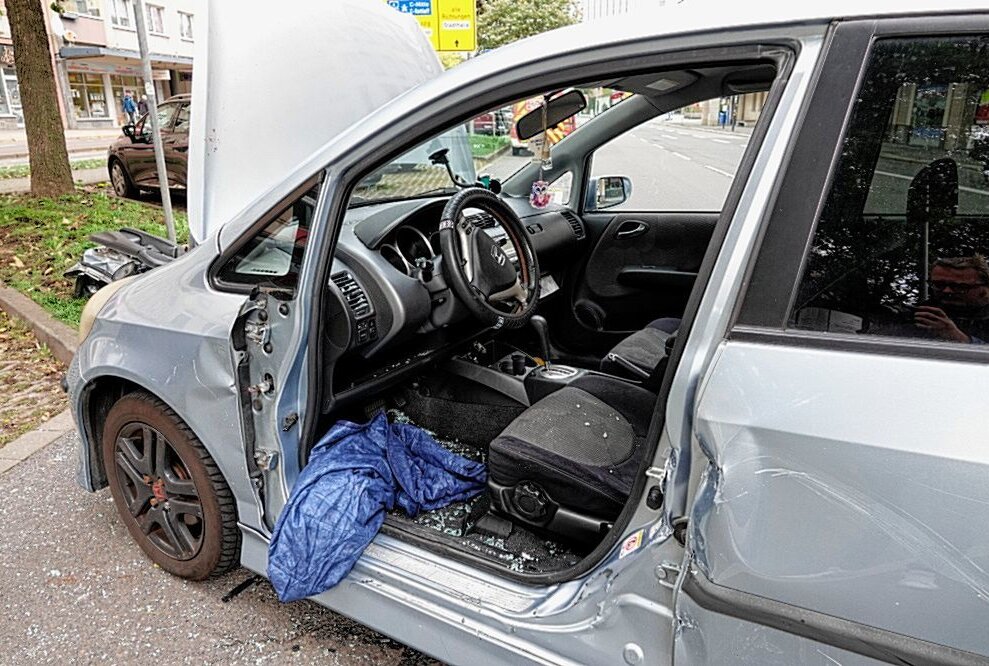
point(131, 159)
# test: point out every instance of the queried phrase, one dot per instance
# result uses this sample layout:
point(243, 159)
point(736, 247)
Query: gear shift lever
point(542, 330)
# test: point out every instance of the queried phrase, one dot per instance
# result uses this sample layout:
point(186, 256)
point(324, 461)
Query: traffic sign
point(458, 25)
point(450, 25)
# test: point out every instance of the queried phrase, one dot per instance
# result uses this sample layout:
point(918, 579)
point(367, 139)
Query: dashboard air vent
point(357, 300)
point(482, 220)
point(578, 228)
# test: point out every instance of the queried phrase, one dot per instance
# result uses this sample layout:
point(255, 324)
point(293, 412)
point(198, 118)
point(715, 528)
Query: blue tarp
point(355, 474)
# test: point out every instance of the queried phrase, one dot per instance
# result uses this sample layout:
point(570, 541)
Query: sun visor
point(267, 94)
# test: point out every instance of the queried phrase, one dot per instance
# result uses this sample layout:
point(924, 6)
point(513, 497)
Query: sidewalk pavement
point(33, 441)
point(20, 136)
point(80, 176)
point(695, 125)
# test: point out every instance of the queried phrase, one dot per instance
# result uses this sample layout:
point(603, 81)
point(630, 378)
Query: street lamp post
point(149, 90)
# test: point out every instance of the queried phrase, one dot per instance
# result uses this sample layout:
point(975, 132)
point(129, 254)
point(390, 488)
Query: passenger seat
point(638, 355)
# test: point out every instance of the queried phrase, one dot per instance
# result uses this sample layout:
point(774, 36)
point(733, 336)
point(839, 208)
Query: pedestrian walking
point(142, 105)
point(129, 106)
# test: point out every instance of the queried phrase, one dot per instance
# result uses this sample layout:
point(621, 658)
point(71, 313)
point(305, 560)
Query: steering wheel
point(479, 271)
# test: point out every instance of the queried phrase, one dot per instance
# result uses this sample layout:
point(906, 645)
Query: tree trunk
point(50, 172)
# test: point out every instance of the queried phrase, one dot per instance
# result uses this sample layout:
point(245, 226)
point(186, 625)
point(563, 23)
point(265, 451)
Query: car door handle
point(631, 229)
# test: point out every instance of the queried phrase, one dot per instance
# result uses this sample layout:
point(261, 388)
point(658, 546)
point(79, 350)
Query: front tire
point(168, 490)
point(121, 182)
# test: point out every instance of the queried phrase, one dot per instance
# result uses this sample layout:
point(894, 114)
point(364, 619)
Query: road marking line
point(682, 157)
point(661, 147)
point(721, 140)
point(961, 188)
point(669, 136)
point(717, 170)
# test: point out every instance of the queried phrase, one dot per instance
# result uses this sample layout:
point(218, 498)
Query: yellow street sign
point(451, 25)
point(428, 24)
point(457, 25)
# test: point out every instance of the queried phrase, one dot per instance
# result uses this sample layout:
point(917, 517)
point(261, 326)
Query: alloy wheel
point(158, 491)
point(119, 180)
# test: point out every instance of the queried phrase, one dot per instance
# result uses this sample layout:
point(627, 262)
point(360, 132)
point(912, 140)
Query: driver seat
point(567, 463)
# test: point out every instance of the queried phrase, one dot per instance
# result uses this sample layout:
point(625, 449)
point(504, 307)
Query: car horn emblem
point(498, 255)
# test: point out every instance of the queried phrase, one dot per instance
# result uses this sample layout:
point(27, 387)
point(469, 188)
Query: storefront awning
point(80, 52)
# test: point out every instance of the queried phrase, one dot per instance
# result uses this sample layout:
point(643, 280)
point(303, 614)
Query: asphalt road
point(74, 588)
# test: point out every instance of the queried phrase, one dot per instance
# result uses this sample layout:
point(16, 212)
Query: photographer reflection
point(958, 307)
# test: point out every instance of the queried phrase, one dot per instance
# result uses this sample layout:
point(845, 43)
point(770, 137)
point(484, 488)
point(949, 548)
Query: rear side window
point(900, 247)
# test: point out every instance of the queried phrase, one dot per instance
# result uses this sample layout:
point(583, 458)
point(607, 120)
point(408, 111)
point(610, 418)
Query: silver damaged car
point(719, 334)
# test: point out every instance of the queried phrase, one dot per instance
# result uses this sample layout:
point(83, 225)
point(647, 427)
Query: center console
point(513, 373)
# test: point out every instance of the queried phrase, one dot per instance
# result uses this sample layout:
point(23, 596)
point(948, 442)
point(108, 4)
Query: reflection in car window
point(684, 160)
point(182, 120)
point(273, 257)
point(165, 114)
point(899, 248)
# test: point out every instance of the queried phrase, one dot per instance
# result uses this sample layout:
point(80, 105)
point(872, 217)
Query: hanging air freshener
point(540, 196)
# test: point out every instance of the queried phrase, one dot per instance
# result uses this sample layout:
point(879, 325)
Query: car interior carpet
point(433, 403)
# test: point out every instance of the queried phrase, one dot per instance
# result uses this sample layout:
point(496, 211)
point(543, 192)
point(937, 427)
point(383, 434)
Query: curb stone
point(33, 441)
point(60, 338)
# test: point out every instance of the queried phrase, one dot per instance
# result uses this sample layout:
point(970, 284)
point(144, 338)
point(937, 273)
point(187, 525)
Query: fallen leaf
point(17, 262)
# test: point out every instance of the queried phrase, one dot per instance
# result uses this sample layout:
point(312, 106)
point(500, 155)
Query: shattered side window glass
point(900, 246)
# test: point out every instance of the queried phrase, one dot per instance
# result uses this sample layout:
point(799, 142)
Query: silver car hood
point(268, 93)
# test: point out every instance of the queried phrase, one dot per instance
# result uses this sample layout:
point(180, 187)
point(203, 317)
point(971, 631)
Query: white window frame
point(118, 21)
point(150, 10)
point(85, 8)
point(182, 25)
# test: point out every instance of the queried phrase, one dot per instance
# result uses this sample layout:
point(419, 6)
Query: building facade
point(96, 58)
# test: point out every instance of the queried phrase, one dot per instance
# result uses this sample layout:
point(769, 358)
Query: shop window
point(156, 19)
point(88, 95)
point(122, 13)
point(900, 246)
point(119, 84)
point(185, 25)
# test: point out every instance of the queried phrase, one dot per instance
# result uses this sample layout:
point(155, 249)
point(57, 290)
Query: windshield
point(485, 145)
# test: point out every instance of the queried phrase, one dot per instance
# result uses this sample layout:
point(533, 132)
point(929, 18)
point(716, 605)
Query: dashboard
point(388, 276)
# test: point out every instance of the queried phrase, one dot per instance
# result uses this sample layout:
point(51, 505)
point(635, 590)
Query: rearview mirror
point(128, 131)
point(556, 111)
point(610, 191)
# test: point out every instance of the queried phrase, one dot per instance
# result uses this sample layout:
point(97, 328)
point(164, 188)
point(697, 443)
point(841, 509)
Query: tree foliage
point(501, 22)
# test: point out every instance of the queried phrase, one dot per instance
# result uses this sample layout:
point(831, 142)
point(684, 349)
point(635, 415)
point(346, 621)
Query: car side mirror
point(608, 191)
point(128, 131)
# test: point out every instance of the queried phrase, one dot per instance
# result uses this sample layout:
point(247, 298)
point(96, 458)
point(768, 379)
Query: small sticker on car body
point(631, 544)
